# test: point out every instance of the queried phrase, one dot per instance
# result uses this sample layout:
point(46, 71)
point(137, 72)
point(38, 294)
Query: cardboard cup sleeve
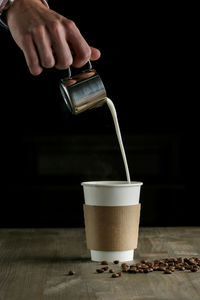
point(111, 228)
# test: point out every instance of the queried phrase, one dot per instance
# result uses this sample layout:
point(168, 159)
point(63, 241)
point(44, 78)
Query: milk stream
point(119, 137)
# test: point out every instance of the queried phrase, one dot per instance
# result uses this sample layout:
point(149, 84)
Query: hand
point(46, 38)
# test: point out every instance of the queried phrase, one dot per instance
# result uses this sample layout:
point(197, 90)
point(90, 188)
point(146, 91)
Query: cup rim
point(111, 183)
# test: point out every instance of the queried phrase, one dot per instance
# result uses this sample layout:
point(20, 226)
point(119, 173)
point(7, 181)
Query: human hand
point(47, 38)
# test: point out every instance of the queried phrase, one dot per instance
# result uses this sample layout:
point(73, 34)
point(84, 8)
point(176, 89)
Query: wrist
point(6, 5)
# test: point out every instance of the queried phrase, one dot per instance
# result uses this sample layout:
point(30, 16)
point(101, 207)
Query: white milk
point(114, 115)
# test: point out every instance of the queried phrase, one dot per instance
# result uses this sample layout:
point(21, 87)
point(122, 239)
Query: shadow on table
point(44, 259)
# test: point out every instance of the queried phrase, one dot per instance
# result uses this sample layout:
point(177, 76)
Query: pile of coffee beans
point(166, 265)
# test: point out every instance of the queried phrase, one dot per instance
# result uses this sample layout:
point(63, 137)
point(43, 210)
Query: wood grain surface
point(34, 264)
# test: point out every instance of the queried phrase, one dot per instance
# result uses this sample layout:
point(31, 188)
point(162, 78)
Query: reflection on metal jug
point(83, 91)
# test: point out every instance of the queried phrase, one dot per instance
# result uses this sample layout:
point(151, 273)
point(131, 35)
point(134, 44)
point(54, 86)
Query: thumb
point(95, 53)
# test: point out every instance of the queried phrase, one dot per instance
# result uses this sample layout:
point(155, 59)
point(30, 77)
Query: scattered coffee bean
point(144, 261)
point(161, 268)
point(71, 272)
point(125, 269)
point(177, 266)
point(180, 260)
point(100, 270)
point(191, 261)
point(150, 264)
point(150, 269)
point(112, 271)
point(132, 270)
point(188, 267)
point(124, 265)
point(143, 266)
point(168, 271)
point(194, 269)
point(156, 261)
point(104, 262)
point(115, 275)
point(141, 271)
point(119, 273)
point(167, 265)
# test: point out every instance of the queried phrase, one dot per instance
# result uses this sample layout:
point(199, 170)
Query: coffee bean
point(105, 268)
point(104, 262)
point(180, 260)
point(141, 271)
point(194, 269)
point(137, 270)
point(119, 273)
point(100, 270)
point(144, 261)
point(143, 266)
point(116, 262)
point(115, 275)
point(171, 259)
point(162, 268)
point(167, 271)
point(188, 267)
point(133, 270)
point(150, 269)
point(156, 261)
point(150, 264)
point(191, 261)
point(177, 266)
point(124, 265)
point(112, 271)
point(162, 261)
point(125, 269)
point(181, 268)
point(146, 271)
point(163, 264)
point(71, 272)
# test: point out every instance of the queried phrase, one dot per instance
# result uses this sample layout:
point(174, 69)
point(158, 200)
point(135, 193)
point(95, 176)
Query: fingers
point(43, 45)
point(60, 44)
point(78, 45)
point(81, 50)
point(78, 51)
point(62, 52)
point(95, 53)
point(31, 56)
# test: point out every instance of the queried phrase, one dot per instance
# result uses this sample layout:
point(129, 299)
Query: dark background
point(46, 152)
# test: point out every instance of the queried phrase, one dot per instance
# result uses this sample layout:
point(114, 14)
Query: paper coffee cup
point(111, 214)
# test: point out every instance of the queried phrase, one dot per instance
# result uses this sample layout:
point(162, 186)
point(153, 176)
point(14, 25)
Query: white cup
point(111, 193)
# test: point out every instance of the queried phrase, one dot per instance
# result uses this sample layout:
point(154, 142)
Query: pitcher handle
point(89, 64)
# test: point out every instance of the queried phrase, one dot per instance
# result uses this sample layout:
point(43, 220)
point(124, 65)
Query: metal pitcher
point(83, 91)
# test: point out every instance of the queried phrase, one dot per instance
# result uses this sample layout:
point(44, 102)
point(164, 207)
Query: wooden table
point(34, 264)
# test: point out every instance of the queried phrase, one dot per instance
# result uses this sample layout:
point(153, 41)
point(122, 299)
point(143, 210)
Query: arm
point(47, 38)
